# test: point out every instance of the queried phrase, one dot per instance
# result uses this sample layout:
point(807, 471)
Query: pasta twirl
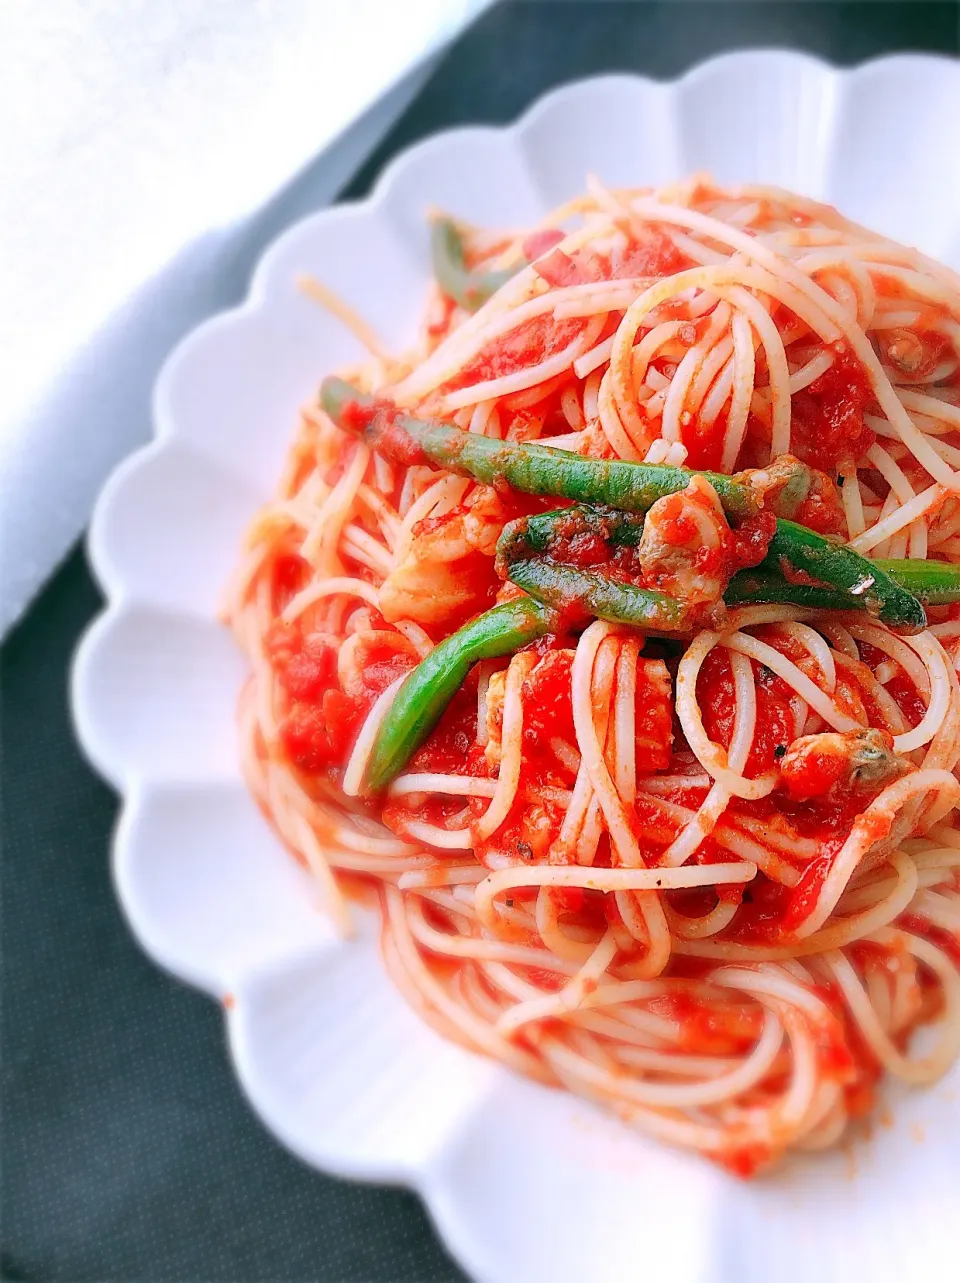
point(669, 816)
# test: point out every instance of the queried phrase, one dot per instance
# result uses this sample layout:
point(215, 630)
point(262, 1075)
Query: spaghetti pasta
point(706, 874)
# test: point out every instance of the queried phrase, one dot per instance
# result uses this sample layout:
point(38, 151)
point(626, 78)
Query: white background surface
point(525, 1184)
point(138, 138)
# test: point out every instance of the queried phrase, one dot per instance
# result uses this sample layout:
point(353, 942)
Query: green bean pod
point(582, 594)
point(469, 289)
point(845, 579)
point(428, 689)
point(628, 487)
point(933, 583)
point(538, 534)
point(530, 467)
point(753, 587)
point(795, 549)
point(525, 556)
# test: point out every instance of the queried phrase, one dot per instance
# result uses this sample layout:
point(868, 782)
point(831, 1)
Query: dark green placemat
point(128, 1155)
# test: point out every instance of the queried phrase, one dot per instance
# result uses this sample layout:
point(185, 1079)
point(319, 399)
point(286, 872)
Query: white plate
point(524, 1183)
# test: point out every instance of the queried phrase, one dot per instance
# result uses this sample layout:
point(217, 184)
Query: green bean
point(933, 583)
point(629, 487)
point(538, 534)
point(425, 693)
point(525, 555)
point(469, 289)
point(796, 550)
point(530, 467)
point(560, 590)
point(583, 594)
point(564, 595)
point(336, 395)
point(751, 587)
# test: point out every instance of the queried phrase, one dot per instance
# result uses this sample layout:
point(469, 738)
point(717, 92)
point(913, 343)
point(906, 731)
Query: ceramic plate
point(524, 1183)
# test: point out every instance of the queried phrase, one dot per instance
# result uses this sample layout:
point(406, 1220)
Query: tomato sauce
point(770, 910)
point(805, 894)
point(759, 919)
point(538, 243)
point(528, 835)
point(322, 721)
point(747, 543)
point(452, 748)
point(290, 575)
point(909, 700)
point(307, 666)
point(743, 1160)
point(653, 718)
point(828, 816)
point(828, 430)
point(653, 825)
point(708, 1028)
point(835, 1056)
point(529, 344)
point(317, 737)
point(569, 900)
point(559, 269)
point(693, 902)
point(591, 545)
point(704, 443)
point(920, 926)
point(542, 336)
point(439, 323)
point(655, 255)
point(774, 724)
point(547, 708)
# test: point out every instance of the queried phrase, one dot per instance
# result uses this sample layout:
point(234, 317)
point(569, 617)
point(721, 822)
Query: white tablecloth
point(149, 149)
